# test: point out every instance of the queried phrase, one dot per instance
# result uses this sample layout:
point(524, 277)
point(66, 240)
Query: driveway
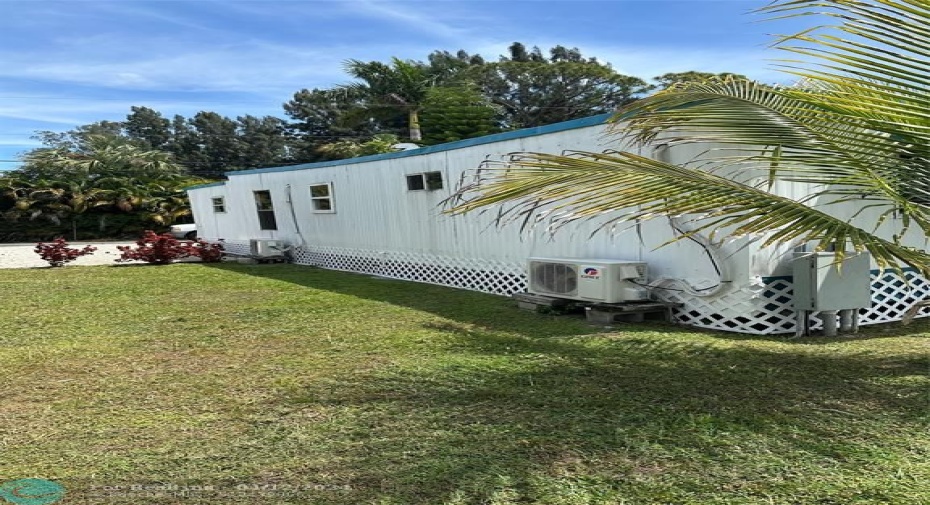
point(23, 256)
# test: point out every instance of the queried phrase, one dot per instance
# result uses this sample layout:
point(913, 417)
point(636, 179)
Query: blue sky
point(63, 64)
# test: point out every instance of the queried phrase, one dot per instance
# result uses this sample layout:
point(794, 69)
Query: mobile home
point(382, 215)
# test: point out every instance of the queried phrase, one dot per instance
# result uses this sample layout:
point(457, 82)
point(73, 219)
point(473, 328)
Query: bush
point(155, 249)
point(207, 252)
point(58, 253)
point(164, 249)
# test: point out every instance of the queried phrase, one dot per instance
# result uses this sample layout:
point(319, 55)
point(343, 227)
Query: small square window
point(433, 180)
point(219, 205)
point(321, 197)
point(426, 181)
point(415, 182)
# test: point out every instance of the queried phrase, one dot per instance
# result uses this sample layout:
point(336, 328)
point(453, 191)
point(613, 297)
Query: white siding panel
point(375, 211)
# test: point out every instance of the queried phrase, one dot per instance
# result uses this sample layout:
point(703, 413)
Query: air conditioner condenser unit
point(596, 280)
point(263, 248)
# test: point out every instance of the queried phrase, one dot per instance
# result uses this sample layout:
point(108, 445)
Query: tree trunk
point(413, 117)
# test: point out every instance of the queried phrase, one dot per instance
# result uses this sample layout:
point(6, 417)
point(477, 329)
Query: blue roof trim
point(202, 186)
point(458, 144)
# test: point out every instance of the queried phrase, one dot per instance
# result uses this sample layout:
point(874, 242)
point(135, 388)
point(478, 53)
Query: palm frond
point(878, 41)
point(797, 135)
point(624, 187)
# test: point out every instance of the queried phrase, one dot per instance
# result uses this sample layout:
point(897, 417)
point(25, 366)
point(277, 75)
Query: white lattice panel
point(236, 247)
point(735, 310)
point(767, 306)
point(891, 299)
point(489, 276)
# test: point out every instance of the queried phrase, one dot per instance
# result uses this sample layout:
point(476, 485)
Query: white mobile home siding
point(380, 227)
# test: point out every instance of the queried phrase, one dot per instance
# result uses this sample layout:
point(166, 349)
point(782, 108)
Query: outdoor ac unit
point(597, 280)
point(261, 248)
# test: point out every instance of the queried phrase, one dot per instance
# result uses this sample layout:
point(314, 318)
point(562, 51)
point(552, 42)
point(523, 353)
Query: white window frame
point(329, 196)
point(222, 204)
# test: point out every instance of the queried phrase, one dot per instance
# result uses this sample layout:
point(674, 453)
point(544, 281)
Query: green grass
point(281, 384)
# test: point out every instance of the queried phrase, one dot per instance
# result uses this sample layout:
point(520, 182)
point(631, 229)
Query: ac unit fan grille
point(555, 278)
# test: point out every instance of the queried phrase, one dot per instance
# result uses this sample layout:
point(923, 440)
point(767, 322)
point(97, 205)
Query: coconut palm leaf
point(563, 189)
point(856, 127)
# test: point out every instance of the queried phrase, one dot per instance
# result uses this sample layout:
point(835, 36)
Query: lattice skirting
point(735, 310)
point(489, 276)
point(762, 307)
point(236, 247)
point(892, 296)
point(766, 306)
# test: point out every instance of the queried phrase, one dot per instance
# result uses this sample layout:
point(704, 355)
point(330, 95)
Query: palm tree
point(112, 176)
point(401, 86)
point(856, 127)
point(32, 199)
point(165, 201)
point(54, 200)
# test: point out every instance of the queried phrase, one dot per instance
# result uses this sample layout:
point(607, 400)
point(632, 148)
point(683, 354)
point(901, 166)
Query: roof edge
point(449, 146)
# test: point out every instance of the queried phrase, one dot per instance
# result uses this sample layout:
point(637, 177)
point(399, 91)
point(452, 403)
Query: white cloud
point(19, 142)
point(413, 20)
point(68, 113)
point(46, 109)
point(250, 66)
point(136, 10)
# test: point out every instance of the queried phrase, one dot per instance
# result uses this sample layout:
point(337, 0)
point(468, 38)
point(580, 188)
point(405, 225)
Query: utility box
point(819, 285)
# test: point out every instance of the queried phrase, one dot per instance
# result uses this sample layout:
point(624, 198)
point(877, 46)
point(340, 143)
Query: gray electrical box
point(819, 285)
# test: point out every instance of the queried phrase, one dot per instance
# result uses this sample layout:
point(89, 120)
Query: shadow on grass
point(468, 307)
point(643, 419)
point(498, 313)
point(639, 417)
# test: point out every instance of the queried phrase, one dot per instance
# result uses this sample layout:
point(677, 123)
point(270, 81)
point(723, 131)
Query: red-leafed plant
point(57, 253)
point(207, 252)
point(155, 249)
point(164, 249)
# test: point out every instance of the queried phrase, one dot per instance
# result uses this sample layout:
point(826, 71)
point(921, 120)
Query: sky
point(64, 64)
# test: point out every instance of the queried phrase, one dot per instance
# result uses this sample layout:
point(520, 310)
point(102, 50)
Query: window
point(429, 181)
point(415, 182)
point(265, 207)
point(433, 180)
point(219, 205)
point(321, 196)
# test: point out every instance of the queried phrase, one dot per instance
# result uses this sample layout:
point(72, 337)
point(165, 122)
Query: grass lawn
point(195, 384)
